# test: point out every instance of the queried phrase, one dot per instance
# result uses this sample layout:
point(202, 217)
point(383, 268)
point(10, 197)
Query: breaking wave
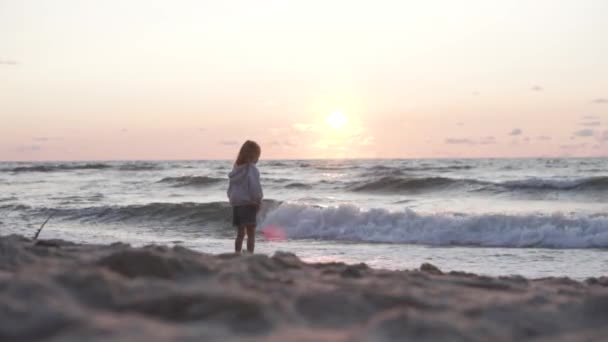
point(350, 223)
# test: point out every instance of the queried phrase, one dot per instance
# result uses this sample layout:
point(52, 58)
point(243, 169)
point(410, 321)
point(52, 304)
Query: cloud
point(7, 62)
point(459, 141)
point(591, 123)
point(28, 148)
point(124, 130)
point(41, 139)
point(600, 100)
point(543, 138)
point(281, 143)
point(584, 133)
point(46, 139)
point(572, 146)
point(604, 136)
point(516, 132)
point(301, 127)
point(229, 142)
point(364, 140)
point(466, 141)
point(487, 140)
point(536, 88)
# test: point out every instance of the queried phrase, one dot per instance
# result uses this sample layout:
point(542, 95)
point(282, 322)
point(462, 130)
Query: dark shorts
point(244, 215)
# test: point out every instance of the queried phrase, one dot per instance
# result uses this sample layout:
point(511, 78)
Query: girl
point(245, 194)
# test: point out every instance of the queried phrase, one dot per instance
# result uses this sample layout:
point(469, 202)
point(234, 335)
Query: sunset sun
point(336, 120)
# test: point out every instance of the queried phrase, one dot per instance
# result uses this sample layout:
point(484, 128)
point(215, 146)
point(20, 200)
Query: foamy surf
point(350, 223)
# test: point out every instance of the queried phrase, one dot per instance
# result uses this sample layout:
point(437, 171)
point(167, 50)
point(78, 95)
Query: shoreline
point(60, 290)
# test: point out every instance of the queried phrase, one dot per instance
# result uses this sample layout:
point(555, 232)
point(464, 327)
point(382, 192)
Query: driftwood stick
point(42, 226)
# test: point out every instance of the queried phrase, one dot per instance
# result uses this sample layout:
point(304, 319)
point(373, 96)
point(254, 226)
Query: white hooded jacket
point(245, 187)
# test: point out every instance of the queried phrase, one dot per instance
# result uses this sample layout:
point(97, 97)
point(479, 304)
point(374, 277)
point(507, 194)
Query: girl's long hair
point(249, 153)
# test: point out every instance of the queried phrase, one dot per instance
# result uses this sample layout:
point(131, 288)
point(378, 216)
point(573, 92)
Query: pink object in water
point(274, 233)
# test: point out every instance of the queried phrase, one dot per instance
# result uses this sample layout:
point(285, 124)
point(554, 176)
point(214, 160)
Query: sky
point(186, 79)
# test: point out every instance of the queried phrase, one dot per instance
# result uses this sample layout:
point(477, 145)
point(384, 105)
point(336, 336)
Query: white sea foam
point(350, 223)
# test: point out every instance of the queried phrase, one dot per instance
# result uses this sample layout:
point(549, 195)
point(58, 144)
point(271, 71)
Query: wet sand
point(56, 290)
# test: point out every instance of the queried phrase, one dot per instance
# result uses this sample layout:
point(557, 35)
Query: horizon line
point(296, 159)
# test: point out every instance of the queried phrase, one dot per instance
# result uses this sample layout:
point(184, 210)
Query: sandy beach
point(55, 290)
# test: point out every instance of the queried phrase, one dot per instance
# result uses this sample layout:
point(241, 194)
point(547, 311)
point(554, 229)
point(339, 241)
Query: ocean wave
point(394, 184)
point(350, 223)
point(75, 199)
point(587, 183)
point(401, 184)
point(388, 171)
point(14, 207)
point(47, 167)
point(276, 164)
point(182, 214)
point(298, 186)
point(57, 167)
point(335, 167)
point(384, 172)
point(192, 180)
point(189, 215)
point(425, 167)
point(140, 166)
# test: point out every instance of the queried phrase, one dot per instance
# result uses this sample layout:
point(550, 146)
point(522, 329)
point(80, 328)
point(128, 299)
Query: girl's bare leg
point(238, 242)
point(250, 238)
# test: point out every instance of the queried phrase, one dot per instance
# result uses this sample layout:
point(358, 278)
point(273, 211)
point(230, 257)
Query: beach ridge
point(60, 290)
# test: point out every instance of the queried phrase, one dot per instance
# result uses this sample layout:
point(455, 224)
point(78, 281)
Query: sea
point(530, 217)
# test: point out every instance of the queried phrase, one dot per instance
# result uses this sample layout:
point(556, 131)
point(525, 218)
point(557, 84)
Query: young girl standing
point(245, 194)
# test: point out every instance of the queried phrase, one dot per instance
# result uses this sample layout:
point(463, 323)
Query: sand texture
point(55, 290)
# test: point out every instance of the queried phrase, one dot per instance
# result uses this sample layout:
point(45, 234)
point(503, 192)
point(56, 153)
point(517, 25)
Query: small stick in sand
point(42, 226)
